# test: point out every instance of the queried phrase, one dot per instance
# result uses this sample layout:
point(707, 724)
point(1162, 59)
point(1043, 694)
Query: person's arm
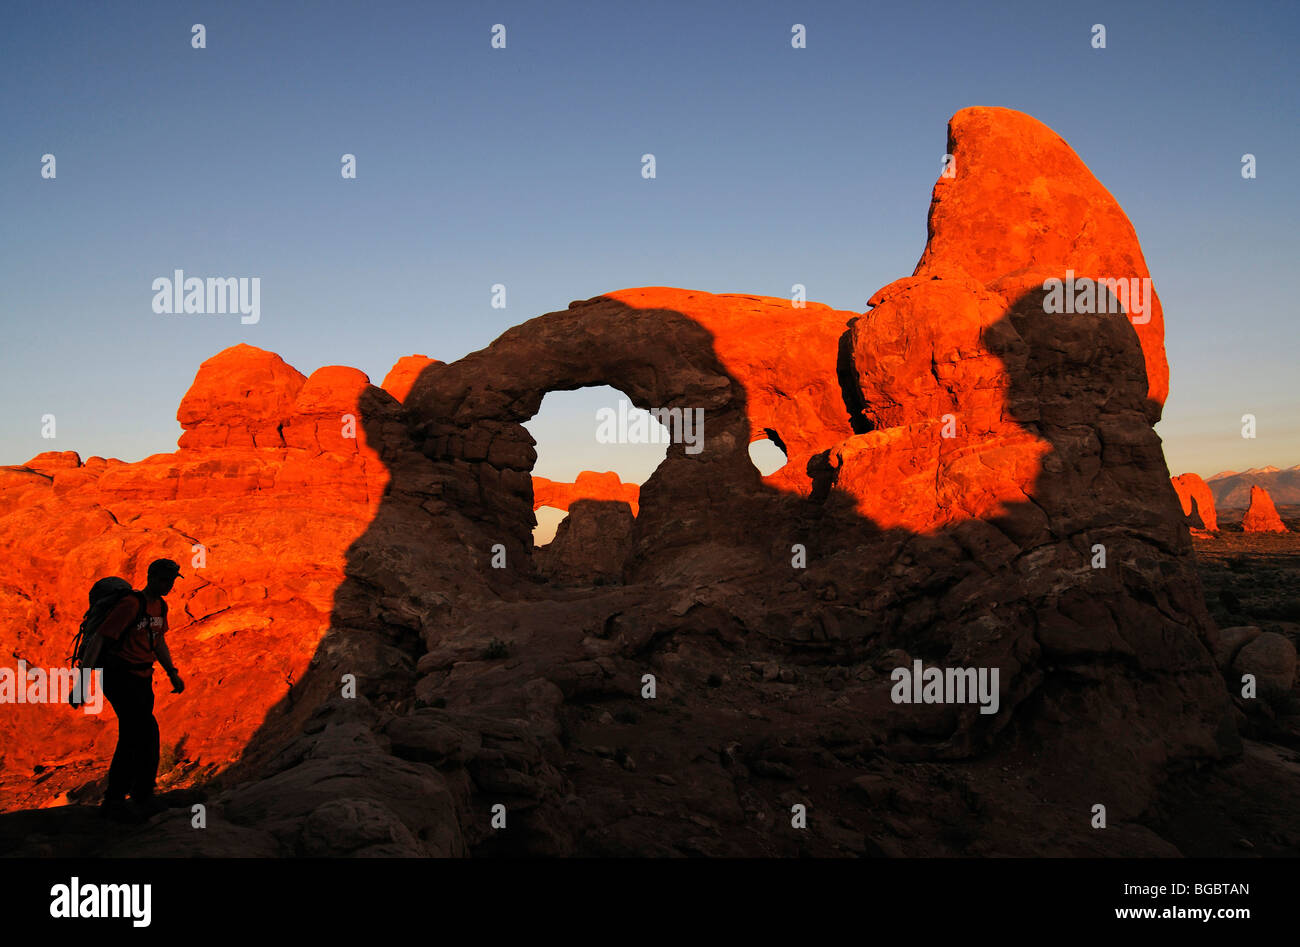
point(165, 659)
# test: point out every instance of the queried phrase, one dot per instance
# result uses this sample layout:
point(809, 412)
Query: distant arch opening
point(548, 521)
point(768, 453)
point(592, 443)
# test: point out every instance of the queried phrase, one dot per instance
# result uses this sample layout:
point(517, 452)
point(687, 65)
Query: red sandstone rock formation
point(1262, 516)
point(273, 480)
point(1197, 500)
point(936, 357)
point(588, 486)
point(403, 374)
point(947, 497)
point(1022, 207)
point(958, 416)
point(783, 357)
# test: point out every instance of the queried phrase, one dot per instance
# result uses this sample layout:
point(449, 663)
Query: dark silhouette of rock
point(590, 544)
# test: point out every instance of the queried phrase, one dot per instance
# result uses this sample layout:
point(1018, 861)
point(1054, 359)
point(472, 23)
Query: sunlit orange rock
point(403, 374)
point(271, 484)
point(783, 356)
point(588, 486)
point(55, 460)
point(950, 417)
point(239, 398)
point(1261, 516)
point(1019, 207)
point(1194, 495)
point(944, 445)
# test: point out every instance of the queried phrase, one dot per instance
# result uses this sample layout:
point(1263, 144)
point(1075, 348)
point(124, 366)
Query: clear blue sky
point(522, 166)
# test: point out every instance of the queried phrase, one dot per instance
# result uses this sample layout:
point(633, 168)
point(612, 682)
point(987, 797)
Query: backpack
point(104, 596)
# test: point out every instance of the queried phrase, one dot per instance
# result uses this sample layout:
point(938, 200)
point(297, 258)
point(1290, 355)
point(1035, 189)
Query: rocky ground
point(1253, 578)
point(710, 768)
point(713, 764)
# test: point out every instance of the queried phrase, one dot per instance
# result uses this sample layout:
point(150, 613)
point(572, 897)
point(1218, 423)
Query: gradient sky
point(522, 166)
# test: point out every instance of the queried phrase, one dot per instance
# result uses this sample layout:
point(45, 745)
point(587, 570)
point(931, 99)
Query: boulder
point(240, 398)
point(1271, 658)
point(1229, 641)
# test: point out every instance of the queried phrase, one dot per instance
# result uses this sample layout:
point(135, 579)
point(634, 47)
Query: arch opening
point(548, 521)
point(592, 443)
point(767, 452)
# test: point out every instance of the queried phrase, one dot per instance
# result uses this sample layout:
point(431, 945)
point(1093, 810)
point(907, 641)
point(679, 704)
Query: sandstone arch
point(663, 348)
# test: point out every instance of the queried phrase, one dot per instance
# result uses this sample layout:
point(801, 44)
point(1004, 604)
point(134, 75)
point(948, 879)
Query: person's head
point(163, 574)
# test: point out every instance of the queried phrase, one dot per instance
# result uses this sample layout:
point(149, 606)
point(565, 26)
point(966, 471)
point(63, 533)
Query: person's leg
point(146, 761)
point(120, 770)
point(124, 696)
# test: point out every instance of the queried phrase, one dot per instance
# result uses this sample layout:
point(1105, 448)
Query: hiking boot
point(120, 810)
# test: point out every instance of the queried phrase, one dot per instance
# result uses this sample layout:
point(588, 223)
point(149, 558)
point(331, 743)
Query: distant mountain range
point(1232, 489)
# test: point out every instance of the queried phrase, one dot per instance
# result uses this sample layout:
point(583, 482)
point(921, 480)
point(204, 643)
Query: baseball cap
point(164, 567)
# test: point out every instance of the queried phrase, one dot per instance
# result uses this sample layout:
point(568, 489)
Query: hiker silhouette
point(130, 639)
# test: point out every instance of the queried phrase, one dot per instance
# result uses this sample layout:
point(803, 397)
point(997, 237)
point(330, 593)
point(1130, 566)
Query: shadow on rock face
point(590, 545)
point(480, 685)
